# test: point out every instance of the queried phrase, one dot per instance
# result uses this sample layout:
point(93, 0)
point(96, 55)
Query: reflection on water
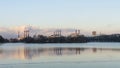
point(31, 52)
point(88, 55)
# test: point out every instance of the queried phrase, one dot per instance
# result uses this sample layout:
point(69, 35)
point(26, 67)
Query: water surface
point(80, 55)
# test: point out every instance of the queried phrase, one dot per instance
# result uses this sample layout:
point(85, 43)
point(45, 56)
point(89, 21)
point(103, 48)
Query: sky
point(99, 15)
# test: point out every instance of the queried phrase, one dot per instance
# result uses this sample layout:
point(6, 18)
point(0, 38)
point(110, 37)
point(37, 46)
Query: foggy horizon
point(101, 16)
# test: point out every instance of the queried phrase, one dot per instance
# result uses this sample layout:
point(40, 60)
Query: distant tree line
point(61, 39)
point(65, 39)
point(105, 38)
point(2, 40)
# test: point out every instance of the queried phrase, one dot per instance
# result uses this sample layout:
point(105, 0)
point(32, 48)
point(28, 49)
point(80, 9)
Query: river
point(67, 55)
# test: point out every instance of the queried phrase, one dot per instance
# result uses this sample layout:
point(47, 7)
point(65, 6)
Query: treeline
point(61, 39)
point(2, 40)
point(105, 38)
point(64, 39)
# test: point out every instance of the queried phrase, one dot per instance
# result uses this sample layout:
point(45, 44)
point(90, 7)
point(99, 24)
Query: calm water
point(80, 55)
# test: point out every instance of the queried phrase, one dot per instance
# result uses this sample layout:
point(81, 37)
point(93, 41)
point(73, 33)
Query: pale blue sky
point(97, 15)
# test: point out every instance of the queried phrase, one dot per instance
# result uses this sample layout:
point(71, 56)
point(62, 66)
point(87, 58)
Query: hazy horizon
point(101, 16)
point(12, 32)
